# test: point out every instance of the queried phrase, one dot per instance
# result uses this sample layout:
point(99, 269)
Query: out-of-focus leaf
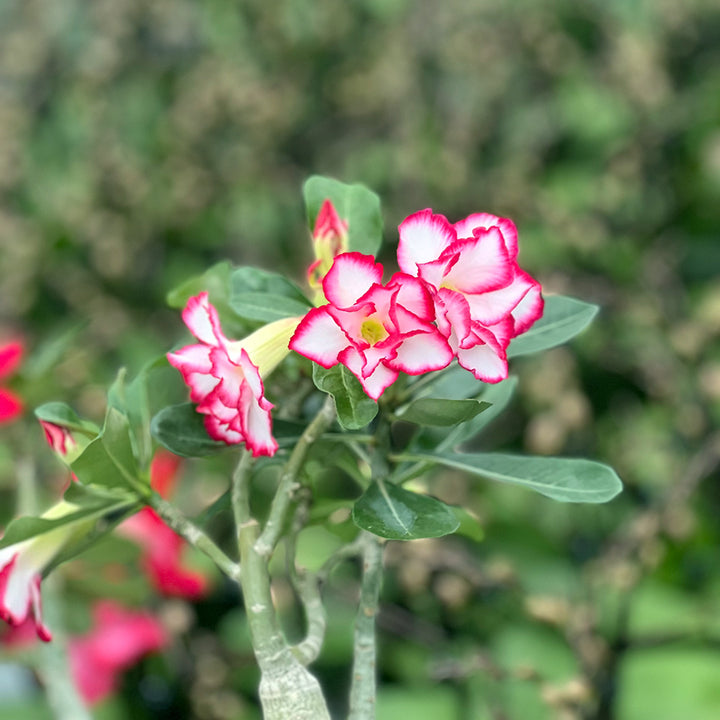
point(59, 413)
point(267, 307)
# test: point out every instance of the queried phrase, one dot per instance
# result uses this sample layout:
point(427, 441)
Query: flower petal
point(492, 306)
point(422, 352)
point(10, 357)
point(531, 307)
point(484, 363)
point(11, 406)
point(319, 338)
point(350, 277)
point(202, 320)
point(423, 237)
point(483, 221)
point(483, 264)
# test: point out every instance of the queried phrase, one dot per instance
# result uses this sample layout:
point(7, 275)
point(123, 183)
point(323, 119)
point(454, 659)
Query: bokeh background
point(143, 140)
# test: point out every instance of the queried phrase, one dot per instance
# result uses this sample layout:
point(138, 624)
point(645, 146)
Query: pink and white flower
point(330, 238)
point(225, 377)
point(375, 330)
point(59, 438)
point(11, 406)
point(483, 299)
point(163, 548)
point(22, 565)
point(118, 639)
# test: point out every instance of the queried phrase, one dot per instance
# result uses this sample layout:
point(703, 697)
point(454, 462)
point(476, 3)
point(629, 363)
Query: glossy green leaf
point(563, 318)
point(267, 307)
point(356, 204)
point(392, 512)
point(63, 415)
point(354, 408)
point(180, 429)
point(441, 412)
point(563, 479)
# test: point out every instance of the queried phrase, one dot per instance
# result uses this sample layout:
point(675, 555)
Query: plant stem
point(287, 689)
point(288, 479)
point(364, 687)
point(194, 535)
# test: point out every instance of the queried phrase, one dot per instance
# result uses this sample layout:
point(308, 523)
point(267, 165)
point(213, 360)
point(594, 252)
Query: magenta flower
point(11, 405)
point(483, 299)
point(118, 639)
point(330, 238)
point(225, 377)
point(162, 548)
point(375, 330)
point(59, 438)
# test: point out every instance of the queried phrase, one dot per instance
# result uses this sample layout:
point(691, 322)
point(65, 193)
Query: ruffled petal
point(350, 277)
point(319, 337)
point(423, 238)
point(422, 352)
point(483, 264)
point(484, 363)
point(202, 320)
point(492, 306)
point(483, 221)
point(531, 307)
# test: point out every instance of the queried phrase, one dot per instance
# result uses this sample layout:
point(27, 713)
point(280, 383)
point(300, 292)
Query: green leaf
point(246, 280)
point(470, 526)
point(96, 467)
point(354, 408)
point(116, 439)
point(393, 512)
point(59, 413)
point(563, 479)
point(497, 396)
point(266, 307)
point(356, 204)
point(440, 412)
point(215, 281)
point(180, 429)
point(563, 318)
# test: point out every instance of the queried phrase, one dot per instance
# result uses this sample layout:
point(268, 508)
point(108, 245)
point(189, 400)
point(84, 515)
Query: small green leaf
point(469, 524)
point(116, 440)
point(266, 307)
point(180, 429)
point(393, 512)
point(59, 413)
point(356, 204)
point(563, 479)
point(355, 409)
point(563, 318)
point(252, 280)
point(440, 412)
point(96, 467)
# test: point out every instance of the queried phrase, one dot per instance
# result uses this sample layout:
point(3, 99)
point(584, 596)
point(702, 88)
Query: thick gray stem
point(364, 687)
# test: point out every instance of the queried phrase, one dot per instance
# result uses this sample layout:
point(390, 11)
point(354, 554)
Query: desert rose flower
point(162, 548)
point(483, 298)
point(11, 405)
point(330, 238)
point(225, 376)
point(118, 639)
point(59, 438)
point(22, 565)
point(375, 330)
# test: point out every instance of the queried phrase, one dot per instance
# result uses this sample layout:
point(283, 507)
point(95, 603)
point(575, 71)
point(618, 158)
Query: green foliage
point(356, 204)
point(63, 415)
point(563, 318)
point(180, 429)
point(563, 479)
point(263, 296)
point(354, 408)
point(445, 413)
point(392, 512)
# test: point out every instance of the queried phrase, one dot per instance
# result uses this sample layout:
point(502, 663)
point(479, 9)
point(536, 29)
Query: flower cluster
point(460, 293)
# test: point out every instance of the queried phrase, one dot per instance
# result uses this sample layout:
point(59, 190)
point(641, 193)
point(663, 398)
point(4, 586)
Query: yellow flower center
point(373, 331)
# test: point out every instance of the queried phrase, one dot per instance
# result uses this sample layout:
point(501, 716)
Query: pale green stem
point(194, 535)
point(52, 666)
point(307, 587)
point(288, 483)
point(364, 685)
point(287, 689)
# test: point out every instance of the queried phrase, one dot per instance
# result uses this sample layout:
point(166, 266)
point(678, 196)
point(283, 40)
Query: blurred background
point(143, 140)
